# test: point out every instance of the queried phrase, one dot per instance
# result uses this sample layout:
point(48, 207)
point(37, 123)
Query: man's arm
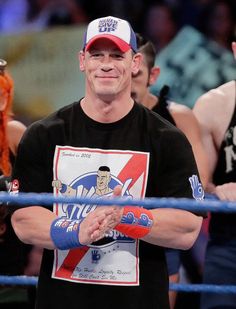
point(15, 130)
point(33, 224)
point(203, 112)
point(214, 105)
point(174, 228)
point(186, 121)
point(171, 228)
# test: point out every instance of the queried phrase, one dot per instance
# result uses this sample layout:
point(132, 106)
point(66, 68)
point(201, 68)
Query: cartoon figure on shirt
point(94, 184)
point(103, 179)
point(100, 183)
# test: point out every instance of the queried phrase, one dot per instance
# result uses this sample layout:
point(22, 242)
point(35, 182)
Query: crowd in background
point(158, 20)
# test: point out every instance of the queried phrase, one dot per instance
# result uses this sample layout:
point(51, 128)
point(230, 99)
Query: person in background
point(161, 24)
point(177, 114)
point(216, 113)
point(11, 130)
point(12, 254)
point(19, 16)
point(217, 22)
point(108, 255)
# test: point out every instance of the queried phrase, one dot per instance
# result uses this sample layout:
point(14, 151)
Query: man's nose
point(107, 63)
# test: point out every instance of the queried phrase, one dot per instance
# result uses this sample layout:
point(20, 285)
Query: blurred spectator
point(120, 8)
point(35, 15)
point(16, 258)
point(55, 12)
point(12, 257)
point(12, 15)
point(218, 22)
point(190, 11)
point(161, 24)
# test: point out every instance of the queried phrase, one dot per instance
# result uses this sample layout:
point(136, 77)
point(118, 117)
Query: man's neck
point(106, 111)
point(150, 100)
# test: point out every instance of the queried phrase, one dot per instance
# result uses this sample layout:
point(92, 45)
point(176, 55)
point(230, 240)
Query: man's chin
point(107, 97)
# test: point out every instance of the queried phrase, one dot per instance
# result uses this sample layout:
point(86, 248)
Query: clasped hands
point(100, 221)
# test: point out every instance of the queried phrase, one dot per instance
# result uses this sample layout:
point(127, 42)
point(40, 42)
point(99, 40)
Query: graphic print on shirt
point(84, 172)
point(230, 149)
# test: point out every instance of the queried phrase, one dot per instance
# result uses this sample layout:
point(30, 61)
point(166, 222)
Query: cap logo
point(107, 25)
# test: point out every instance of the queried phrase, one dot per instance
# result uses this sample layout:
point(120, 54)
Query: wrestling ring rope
point(210, 204)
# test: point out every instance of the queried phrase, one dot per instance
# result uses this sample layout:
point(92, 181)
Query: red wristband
point(136, 222)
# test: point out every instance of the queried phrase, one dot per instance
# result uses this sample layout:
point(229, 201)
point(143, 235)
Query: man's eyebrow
point(116, 50)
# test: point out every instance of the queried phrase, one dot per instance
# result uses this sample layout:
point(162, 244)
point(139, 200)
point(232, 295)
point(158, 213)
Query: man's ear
point(136, 63)
point(155, 72)
point(234, 49)
point(81, 57)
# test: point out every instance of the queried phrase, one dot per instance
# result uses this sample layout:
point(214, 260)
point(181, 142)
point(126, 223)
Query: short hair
point(147, 48)
point(104, 169)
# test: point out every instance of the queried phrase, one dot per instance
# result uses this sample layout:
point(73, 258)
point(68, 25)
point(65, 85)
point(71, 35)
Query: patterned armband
point(65, 233)
point(136, 222)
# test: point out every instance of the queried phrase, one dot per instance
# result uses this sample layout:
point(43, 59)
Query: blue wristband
point(64, 233)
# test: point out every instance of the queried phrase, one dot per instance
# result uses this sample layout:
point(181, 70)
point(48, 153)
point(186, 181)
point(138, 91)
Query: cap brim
point(122, 45)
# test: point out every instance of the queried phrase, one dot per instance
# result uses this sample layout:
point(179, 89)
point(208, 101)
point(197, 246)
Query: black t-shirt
point(142, 151)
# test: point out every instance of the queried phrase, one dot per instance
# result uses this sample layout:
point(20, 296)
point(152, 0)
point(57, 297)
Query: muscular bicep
point(15, 131)
point(188, 124)
point(207, 137)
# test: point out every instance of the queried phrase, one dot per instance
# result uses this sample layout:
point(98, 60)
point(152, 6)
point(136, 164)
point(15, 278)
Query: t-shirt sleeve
point(179, 175)
point(32, 166)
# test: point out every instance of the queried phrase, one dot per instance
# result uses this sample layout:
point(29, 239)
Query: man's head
point(148, 72)
point(109, 58)
point(103, 177)
point(115, 29)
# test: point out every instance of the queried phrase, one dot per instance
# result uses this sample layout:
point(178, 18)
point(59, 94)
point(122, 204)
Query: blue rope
point(188, 288)
point(207, 288)
point(212, 205)
point(18, 280)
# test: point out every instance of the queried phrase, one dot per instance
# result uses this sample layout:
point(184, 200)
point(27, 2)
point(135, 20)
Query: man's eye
point(95, 55)
point(117, 56)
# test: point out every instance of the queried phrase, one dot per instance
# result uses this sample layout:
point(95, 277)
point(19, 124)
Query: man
point(180, 116)
point(106, 128)
point(216, 113)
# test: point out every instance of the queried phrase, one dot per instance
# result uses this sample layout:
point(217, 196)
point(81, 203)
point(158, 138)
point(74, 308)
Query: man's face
point(108, 70)
point(140, 83)
point(103, 179)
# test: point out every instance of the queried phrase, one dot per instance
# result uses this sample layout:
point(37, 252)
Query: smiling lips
point(106, 76)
